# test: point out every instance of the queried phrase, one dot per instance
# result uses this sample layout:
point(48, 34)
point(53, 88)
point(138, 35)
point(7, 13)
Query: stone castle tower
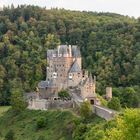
point(64, 71)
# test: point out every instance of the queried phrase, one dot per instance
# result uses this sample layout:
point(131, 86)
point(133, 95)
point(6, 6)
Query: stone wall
point(42, 104)
point(75, 80)
point(37, 104)
point(103, 112)
point(59, 104)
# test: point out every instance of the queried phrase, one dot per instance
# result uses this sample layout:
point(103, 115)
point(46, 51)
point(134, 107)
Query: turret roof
point(75, 51)
point(90, 78)
point(44, 84)
point(63, 49)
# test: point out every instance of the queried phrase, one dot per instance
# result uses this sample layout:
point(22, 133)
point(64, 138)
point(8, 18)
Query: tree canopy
point(109, 43)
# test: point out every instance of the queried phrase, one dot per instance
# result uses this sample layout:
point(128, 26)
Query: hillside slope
point(109, 43)
point(64, 125)
point(56, 125)
point(44, 125)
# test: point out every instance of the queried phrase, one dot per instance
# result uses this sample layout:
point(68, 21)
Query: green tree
point(80, 131)
point(41, 138)
point(9, 135)
point(17, 101)
point(129, 98)
point(127, 127)
point(51, 41)
point(114, 104)
point(41, 122)
point(86, 110)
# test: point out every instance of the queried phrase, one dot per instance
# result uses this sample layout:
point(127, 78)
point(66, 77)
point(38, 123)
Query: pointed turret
point(90, 78)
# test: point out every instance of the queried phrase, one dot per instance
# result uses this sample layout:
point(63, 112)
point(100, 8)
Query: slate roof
point(43, 84)
point(75, 67)
point(50, 52)
point(90, 78)
point(76, 51)
point(63, 49)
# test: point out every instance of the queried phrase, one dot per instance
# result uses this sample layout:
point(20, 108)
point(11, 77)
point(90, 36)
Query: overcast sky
point(125, 7)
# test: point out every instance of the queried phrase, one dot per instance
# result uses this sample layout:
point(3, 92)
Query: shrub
point(41, 138)
point(85, 109)
point(63, 94)
point(9, 135)
point(41, 122)
point(17, 101)
point(114, 104)
point(79, 132)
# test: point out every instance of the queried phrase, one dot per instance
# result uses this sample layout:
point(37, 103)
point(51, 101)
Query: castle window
point(54, 55)
point(54, 75)
point(70, 75)
point(60, 55)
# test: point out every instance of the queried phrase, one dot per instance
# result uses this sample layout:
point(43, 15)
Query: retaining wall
point(103, 112)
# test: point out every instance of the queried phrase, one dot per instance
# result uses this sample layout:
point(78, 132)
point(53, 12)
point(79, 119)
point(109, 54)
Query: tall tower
point(108, 93)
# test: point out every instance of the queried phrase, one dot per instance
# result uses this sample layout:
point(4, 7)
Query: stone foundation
point(43, 104)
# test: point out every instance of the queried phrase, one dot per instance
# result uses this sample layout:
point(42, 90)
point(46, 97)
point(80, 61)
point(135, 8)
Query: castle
point(64, 71)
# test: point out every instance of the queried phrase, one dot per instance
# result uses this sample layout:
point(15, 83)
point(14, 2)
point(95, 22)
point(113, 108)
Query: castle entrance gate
point(92, 102)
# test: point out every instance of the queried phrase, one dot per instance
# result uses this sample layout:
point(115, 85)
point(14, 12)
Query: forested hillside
point(110, 46)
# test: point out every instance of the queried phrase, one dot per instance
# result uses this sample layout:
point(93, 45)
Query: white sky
point(125, 7)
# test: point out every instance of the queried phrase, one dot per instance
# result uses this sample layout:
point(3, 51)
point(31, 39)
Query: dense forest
point(110, 46)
